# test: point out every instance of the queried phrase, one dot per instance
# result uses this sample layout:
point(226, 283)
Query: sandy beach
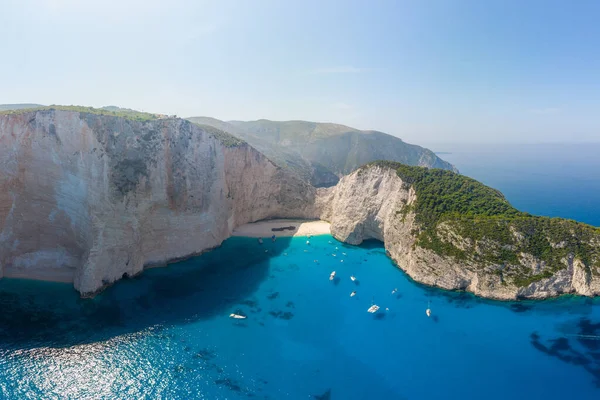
point(301, 228)
point(40, 274)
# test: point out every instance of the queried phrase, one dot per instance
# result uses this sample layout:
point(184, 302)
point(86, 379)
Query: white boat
point(353, 294)
point(428, 311)
point(373, 309)
point(237, 316)
point(352, 278)
point(332, 275)
point(308, 242)
point(394, 291)
point(260, 241)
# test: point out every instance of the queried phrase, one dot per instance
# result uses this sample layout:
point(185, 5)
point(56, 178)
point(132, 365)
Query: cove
point(166, 333)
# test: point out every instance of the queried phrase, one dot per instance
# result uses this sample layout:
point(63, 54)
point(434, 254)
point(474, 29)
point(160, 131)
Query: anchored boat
point(373, 309)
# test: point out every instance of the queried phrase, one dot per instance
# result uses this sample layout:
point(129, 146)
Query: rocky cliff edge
point(375, 203)
point(89, 198)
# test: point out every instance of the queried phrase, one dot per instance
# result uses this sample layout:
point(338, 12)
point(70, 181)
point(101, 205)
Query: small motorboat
point(308, 242)
point(428, 311)
point(332, 276)
point(352, 278)
point(373, 309)
point(260, 241)
point(353, 294)
point(237, 316)
point(394, 291)
point(343, 254)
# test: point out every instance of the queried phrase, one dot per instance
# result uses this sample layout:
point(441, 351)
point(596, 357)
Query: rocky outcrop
point(88, 198)
point(374, 203)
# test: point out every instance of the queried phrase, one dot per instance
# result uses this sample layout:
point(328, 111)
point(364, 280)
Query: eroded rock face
point(370, 204)
point(88, 198)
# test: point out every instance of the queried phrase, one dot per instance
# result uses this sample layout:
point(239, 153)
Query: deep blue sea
point(166, 334)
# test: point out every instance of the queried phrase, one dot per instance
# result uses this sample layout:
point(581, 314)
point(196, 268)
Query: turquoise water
point(166, 334)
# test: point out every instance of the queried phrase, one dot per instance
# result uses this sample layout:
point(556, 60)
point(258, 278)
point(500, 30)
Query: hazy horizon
point(438, 72)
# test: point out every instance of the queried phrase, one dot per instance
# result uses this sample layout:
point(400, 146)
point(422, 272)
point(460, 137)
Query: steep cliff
point(452, 232)
point(89, 198)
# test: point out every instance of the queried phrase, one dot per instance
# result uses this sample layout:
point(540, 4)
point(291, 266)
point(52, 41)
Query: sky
point(433, 71)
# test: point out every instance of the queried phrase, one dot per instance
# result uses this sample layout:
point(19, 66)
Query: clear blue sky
point(425, 70)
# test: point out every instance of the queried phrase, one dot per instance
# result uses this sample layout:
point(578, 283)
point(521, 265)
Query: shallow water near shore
point(167, 334)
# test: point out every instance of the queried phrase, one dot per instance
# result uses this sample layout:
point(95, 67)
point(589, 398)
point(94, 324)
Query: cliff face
point(375, 203)
point(90, 198)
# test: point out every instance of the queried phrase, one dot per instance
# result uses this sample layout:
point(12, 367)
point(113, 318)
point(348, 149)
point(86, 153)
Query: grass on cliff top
point(123, 113)
point(226, 139)
point(496, 232)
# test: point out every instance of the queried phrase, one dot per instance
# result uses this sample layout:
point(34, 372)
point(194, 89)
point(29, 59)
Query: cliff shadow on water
point(52, 314)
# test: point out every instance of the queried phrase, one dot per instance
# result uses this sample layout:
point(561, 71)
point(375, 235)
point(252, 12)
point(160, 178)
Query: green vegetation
point(123, 113)
point(493, 232)
point(225, 138)
point(8, 107)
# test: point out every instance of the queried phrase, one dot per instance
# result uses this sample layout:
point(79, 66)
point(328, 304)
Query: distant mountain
point(8, 107)
point(322, 152)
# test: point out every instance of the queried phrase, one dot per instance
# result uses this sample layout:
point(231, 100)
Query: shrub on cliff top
point(122, 113)
point(497, 231)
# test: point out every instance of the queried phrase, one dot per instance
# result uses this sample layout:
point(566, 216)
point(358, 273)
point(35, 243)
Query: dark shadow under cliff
point(50, 314)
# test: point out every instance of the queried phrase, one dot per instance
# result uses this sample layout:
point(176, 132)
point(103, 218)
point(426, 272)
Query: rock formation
point(92, 198)
point(375, 203)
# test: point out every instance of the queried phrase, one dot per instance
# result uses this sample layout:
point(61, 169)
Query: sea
point(166, 334)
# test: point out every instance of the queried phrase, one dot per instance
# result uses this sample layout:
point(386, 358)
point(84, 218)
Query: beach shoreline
point(264, 229)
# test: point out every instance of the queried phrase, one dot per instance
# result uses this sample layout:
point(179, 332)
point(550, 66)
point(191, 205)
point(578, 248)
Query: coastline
point(301, 228)
point(36, 275)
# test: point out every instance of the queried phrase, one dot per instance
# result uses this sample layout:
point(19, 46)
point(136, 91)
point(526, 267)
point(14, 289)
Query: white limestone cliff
point(368, 204)
point(88, 198)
